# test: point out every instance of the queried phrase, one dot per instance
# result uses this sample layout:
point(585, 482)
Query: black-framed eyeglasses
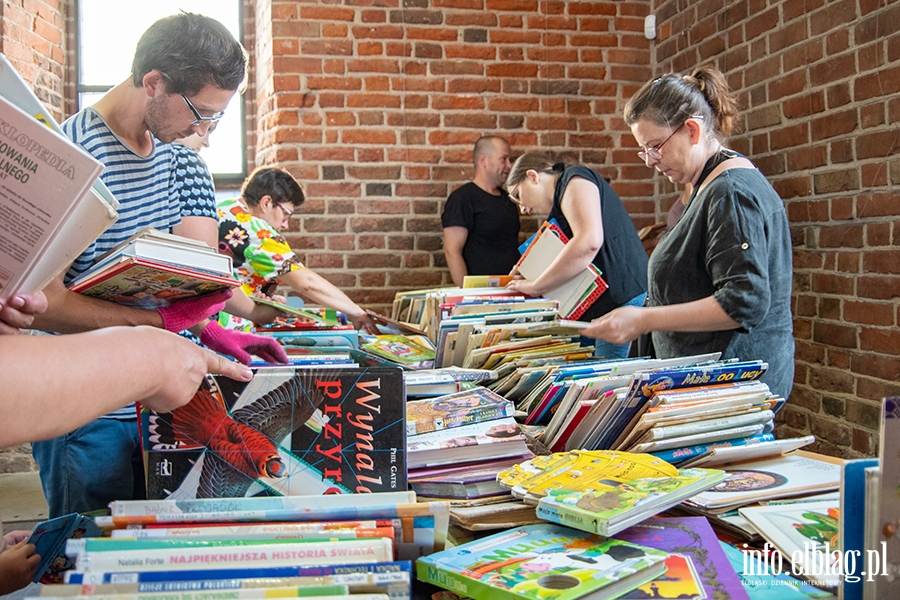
point(198, 118)
point(654, 152)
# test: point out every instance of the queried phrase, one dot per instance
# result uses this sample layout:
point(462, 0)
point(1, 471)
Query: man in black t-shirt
point(481, 224)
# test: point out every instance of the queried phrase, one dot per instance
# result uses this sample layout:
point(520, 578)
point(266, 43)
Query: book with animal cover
point(542, 561)
point(147, 284)
point(288, 431)
point(489, 440)
point(793, 474)
point(697, 566)
point(455, 410)
point(609, 508)
point(90, 216)
point(356, 575)
point(44, 176)
point(806, 534)
point(575, 295)
point(49, 539)
point(291, 552)
point(401, 349)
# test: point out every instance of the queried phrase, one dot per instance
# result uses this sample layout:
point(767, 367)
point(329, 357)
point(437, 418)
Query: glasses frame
point(198, 118)
point(654, 151)
point(287, 213)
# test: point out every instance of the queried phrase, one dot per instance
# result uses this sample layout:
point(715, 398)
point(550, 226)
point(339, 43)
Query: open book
point(574, 295)
point(56, 216)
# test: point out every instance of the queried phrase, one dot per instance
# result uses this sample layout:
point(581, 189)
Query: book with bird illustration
point(289, 431)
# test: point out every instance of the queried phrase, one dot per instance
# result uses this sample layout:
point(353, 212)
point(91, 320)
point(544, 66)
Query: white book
point(259, 531)
point(174, 251)
point(91, 214)
point(734, 454)
point(698, 438)
point(706, 425)
point(498, 438)
point(332, 552)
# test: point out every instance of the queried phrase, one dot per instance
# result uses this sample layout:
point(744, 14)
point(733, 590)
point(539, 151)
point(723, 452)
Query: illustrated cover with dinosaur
point(288, 431)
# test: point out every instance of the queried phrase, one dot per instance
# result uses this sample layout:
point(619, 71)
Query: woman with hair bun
point(599, 229)
point(720, 279)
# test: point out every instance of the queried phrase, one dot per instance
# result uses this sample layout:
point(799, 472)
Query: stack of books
point(427, 383)
point(153, 268)
point(408, 351)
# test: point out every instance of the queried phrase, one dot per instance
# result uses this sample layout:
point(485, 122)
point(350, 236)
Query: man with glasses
point(186, 69)
point(481, 225)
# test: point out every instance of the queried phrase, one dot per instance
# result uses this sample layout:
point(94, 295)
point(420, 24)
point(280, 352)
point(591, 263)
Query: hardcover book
point(454, 410)
point(401, 349)
point(697, 566)
point(542, 561)
point(608, 509)
point(49, 539)
point(499, 438)
point(288, 431)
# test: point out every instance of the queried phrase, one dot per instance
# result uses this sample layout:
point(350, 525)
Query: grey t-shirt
point(733, 243)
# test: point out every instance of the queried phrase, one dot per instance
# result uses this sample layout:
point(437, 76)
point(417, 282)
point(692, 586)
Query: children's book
point(401, 349)
point(39, 249)
point(49, 539)
point(697, 566)
point(542, 561)
point(806, 534)
point(288, 431)
point(389, 326)
point(794, 474)
point(607, 509)
point(315, 318)
point(489, 440)
point(723, 455)
point(761, 583)
point(143, 283)
point(454, 410)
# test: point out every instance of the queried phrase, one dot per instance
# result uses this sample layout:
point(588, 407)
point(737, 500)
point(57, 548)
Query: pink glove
point(182, 314)
point(241, 345)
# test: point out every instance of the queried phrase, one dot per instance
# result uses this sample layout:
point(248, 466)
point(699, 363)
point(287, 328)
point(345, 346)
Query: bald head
point(491, 158)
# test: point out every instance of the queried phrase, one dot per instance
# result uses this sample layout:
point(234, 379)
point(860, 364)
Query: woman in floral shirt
point(262, 257)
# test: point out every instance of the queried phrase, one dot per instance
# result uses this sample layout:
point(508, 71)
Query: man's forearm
point(69, 312)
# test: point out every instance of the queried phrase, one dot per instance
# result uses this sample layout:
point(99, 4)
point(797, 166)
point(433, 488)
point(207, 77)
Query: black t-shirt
point(493, 224)
point(622, 258)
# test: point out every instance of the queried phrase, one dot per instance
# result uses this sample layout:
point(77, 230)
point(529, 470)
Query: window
point(108, 32)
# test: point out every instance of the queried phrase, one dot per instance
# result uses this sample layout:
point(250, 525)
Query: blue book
point(677, 455)
point(852, 523)
point(49, 539)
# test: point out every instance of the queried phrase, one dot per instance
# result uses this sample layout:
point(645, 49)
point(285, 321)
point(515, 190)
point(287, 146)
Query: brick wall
point(32, 39)
point(375, 106)
point(819, 82)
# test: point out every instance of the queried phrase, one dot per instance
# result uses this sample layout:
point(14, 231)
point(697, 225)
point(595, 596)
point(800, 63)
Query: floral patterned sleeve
point(260, 254)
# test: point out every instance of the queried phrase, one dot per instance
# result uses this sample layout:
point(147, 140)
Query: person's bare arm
point(319, 290)
point(454, 242)
point(55, 384)
point(69, 312)
point(17, 312)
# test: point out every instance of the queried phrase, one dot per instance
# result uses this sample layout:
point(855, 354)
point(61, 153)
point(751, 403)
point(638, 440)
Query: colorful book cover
point(542, 561)
point(697, 566)
point(148, 284)
point(761, 584)
point(49, 539)
point(454, 410)
point(478, 441)
point(288, 431)
point(401, 349)
point(608, 509)
point(853, 503)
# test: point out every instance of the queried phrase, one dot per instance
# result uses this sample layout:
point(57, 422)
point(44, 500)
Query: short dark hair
point(274, 182)
point(192, 51)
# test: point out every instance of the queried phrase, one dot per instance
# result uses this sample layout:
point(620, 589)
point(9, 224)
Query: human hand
point(242, 345)
point(14, 537)
point(523, 286)
point(18, 312)
point(365, 323)
point(183, 369)
point(18, 565)
point(618, 326)
point(182, 314)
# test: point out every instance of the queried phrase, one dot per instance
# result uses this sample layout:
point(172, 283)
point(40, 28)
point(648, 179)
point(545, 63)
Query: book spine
point(677, 455)
point(706, 425)
point(324, 591)
point(462, 417)
point(256, 532)
point(310, 553)
point(570, 517)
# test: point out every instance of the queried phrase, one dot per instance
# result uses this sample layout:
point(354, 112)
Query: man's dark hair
point(274, 182)
point(192, 51)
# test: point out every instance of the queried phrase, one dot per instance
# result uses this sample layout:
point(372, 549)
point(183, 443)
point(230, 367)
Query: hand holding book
point(182, 314)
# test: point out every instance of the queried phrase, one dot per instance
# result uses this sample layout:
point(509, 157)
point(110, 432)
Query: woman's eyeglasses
point(654, 152)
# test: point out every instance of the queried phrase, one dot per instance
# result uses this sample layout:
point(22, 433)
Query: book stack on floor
point(258, 547)
point(153, 268)
point(456, 445)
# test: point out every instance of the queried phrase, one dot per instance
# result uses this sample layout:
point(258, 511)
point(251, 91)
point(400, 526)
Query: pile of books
point(407, 351)
point(153, 268)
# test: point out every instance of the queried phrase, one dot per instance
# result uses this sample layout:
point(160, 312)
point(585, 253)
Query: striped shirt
point(140, 184)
